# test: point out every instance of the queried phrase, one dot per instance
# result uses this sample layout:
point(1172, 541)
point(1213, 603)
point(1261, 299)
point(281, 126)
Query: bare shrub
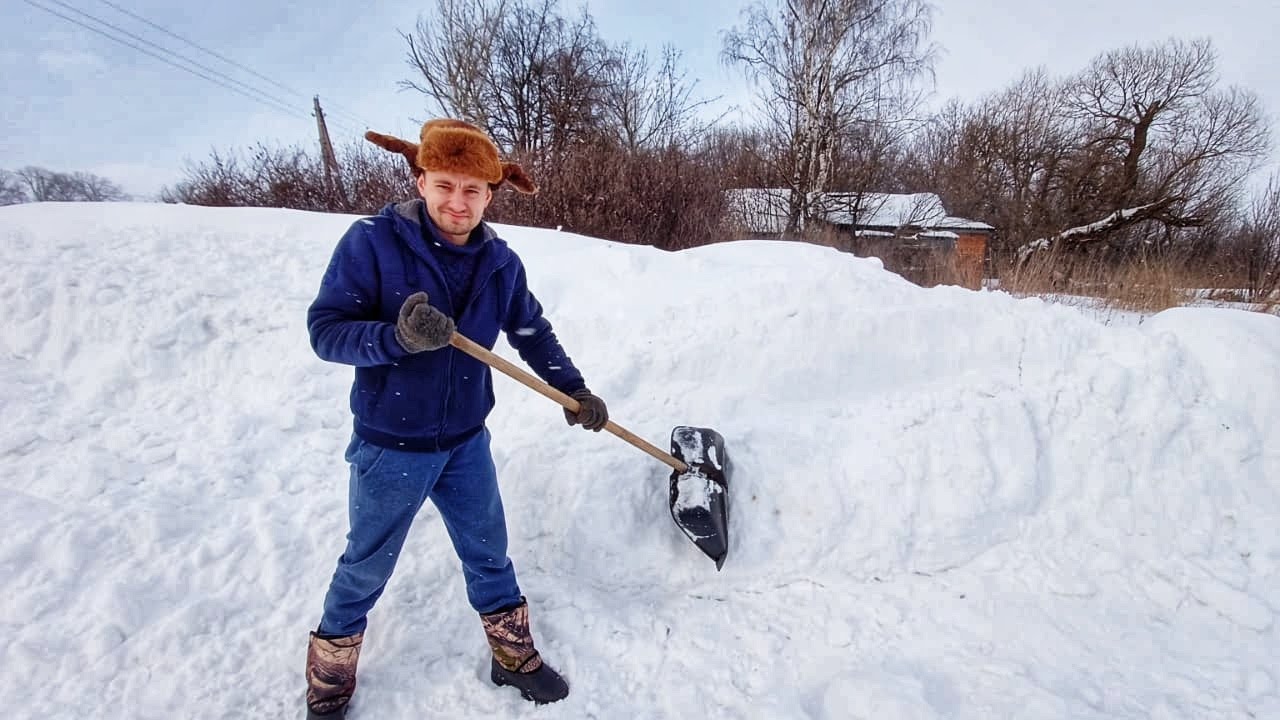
point(374, 177)
point(264, 177)
point(293, 178)
point(669, 199)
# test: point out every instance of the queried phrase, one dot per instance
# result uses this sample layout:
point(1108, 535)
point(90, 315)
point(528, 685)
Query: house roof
point(892, 211)
point(764, 210)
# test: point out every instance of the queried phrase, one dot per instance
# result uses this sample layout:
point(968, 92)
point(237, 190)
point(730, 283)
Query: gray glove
point(421, 326)
point(592, 413)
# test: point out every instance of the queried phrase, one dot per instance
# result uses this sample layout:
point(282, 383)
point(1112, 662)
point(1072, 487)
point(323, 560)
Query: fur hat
point(456, 146)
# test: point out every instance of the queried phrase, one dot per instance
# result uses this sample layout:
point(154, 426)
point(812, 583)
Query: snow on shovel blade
point(700, 495)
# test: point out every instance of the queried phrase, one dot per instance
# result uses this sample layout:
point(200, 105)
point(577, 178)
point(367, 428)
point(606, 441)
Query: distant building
point(913, 234)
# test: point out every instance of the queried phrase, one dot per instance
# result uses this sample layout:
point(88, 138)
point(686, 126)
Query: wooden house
point(912, 233)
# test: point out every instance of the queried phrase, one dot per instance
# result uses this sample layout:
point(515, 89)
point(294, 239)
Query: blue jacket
point(437, 399)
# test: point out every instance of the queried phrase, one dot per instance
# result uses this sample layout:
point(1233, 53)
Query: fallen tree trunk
point(1093, 231)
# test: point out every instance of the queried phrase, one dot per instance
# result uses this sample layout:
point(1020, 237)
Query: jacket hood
point(408, 218)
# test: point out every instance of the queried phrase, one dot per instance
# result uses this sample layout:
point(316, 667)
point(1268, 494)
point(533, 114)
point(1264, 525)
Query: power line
point(265, 96)
point(201, 48)
point(247, 91)
point(333, 107)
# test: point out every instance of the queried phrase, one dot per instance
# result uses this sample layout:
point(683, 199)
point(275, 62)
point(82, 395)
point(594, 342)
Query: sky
point(944, 504)
point(74, 100)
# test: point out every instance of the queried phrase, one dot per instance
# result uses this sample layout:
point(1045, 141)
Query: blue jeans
point(388, 488)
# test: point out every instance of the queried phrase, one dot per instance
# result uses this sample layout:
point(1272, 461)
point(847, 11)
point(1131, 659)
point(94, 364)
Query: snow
point(945, 503)
point(895, 210)
point(939, 235)
point(693, 491)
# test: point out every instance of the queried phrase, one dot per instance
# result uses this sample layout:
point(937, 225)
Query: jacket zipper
point(475, 293)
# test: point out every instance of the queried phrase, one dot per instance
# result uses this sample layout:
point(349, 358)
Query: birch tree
point(822, 68)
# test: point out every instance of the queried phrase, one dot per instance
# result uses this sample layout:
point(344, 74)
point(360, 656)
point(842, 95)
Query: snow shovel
point(700, 467)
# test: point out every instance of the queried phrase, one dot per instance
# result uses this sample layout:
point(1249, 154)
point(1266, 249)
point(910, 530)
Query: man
point(398, 286)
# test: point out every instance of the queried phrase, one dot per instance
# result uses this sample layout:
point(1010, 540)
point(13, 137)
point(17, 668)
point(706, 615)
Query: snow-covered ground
point(947, 504)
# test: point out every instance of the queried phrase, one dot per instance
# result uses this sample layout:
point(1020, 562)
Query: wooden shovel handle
point(518, 374)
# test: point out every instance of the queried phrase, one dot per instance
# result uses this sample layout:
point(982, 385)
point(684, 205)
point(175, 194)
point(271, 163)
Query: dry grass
point(921, 265)
point(1145, 287)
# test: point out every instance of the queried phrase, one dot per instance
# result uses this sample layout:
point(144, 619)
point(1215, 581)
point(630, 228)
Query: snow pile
point(946, 504)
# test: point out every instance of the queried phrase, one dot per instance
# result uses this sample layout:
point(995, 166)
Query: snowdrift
point(948, 504)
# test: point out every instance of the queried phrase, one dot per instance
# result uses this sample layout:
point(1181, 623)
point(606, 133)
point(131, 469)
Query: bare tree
point(612, 138)
point(452, 53)
point(575, 80)
point(825, 67)
point(95, 188)
point(648, 106)
point(1006, 159)
point(11, 192)
point(515, 67)
point(1259, 243)
point(1161, 143)
point(42, 185)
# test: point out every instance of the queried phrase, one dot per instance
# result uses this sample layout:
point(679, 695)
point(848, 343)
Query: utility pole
point(335, 193)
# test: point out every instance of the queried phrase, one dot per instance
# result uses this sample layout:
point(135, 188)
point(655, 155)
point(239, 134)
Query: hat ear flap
point(396, 145)
point(514, 174)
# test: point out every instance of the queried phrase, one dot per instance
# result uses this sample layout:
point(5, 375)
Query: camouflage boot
point(331, 674)
point(515, 661)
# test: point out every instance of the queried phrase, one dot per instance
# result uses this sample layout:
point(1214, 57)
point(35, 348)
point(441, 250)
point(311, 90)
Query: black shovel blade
point(700, 496)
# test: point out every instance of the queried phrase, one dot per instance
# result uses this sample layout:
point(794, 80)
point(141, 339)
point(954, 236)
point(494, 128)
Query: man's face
point(455, 202)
